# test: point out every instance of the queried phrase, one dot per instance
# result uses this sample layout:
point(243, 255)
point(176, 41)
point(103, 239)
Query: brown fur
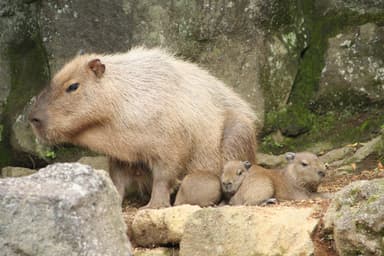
point(147, 106)
point(199, 188)
point(131, 179)
point(298, 181)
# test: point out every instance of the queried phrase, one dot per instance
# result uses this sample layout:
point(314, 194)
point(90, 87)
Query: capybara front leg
point(160, 196)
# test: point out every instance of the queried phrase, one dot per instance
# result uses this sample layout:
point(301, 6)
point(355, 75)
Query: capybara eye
point(304, 163)
point(72, 87)
point(239, 172)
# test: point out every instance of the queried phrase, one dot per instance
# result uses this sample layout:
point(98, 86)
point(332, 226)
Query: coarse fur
point(147, 106)
point(297, 181)
point(199, 188)
point(131, 179)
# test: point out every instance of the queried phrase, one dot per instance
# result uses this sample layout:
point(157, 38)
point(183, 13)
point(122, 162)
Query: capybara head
point(306, 169)
point(74, 101)
point(233, 175)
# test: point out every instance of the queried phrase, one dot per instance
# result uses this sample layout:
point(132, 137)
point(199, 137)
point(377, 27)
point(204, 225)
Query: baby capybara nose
point(227, 185)
point(321, 174)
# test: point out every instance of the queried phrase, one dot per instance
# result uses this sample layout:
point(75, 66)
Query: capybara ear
point(97, 67)
point(290, 156)
point(247, 165)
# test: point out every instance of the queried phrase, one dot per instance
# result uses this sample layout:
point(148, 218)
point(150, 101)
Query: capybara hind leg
point(199, 188)
point(258, 191)
point(239, 140)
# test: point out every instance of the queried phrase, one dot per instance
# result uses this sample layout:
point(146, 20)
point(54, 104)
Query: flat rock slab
point(153, 227)
point(64, 209)
point(244, 231)
point(16, 171)
point(160, 251)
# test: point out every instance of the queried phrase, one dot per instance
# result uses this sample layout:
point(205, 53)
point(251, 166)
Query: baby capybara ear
point(290, 156)
point(247, 165)
point(97, 67)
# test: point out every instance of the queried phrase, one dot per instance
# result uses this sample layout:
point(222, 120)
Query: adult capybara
point(253, 185)
point(147, 106)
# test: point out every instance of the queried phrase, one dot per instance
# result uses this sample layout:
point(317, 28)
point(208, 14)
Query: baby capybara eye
point(72, 87)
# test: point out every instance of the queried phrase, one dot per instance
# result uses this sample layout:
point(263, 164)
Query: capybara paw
point(158, 205)
point(270, 201)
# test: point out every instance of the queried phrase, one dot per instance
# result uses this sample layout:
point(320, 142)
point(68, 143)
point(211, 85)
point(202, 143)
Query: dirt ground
point(324, 244)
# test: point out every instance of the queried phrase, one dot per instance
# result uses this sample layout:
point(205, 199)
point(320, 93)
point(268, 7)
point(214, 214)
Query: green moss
point(312, 120)
point(373, 198)
point(29, 74)
point(354, 192)
point(325, 127)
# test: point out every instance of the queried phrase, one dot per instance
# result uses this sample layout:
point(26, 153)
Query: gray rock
point(64, 209)
point(16, 172)
point(92, 26)
point(271, 161)
point(368, 148)
point(5, 85)
point(249, 231)
point(23, 139)
point(356, 217)
point(337, 154)
point(357, 6)
point(23, 68)
point(96, 162)
point(353, 74)
point(256, 52)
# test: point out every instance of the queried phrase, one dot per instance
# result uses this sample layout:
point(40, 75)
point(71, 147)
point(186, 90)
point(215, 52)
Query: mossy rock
point(355, 217)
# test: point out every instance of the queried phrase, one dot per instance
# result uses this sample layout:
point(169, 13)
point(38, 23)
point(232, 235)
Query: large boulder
point(372, 7)
point(353, 74)
point(16, 25)
point(253, 46)
point(23, 67)
point(249, 231)
point(68, 27)
point(64, 209)
point(356, 218)
point(24, 140)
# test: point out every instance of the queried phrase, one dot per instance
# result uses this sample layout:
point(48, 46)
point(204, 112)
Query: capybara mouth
point(228, 189)
point(42, 136)
point(312, 187)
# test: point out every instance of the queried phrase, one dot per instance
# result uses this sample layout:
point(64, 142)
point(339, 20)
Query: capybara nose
point(227, 185)
point(321, 173)
point(35, 121)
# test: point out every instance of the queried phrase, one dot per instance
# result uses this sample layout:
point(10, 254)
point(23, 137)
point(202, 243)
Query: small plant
point(50, 154)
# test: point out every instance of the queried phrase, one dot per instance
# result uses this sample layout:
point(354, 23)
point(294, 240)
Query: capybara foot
point(269, 201)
